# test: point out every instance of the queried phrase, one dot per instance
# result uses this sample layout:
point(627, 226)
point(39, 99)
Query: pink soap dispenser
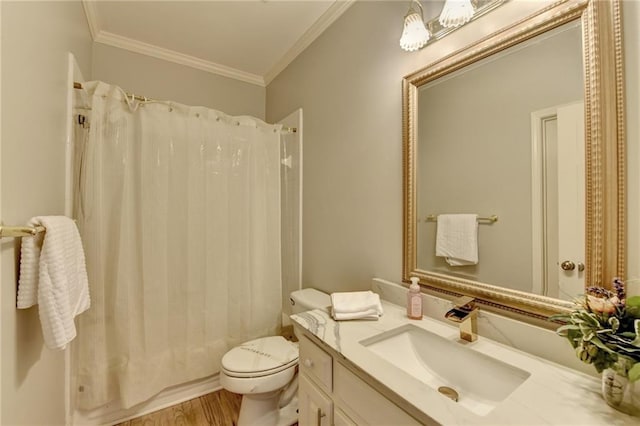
point(414, 300)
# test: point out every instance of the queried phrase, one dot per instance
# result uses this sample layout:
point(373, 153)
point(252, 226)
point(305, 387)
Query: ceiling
point(248, 40)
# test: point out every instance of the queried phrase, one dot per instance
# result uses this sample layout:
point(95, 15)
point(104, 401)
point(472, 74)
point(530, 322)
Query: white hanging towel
point(457, 239)
point(355, 305)
point(53, 275)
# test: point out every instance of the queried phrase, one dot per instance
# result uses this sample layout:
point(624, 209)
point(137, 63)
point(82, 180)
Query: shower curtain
point(179, 211)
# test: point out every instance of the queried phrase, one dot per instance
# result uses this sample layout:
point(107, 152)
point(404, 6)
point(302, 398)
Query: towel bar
point(20, 231)
point(491, 219)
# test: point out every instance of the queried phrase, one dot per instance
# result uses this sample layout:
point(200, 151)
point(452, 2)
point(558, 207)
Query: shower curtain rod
point(77, 85)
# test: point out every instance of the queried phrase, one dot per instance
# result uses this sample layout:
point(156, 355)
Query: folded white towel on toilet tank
point(355, 305)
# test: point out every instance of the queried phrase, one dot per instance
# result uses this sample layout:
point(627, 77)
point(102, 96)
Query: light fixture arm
point(412, 10)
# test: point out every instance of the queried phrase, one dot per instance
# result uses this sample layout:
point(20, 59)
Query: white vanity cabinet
point(331, 394)
point(351, 384)
point(315, 407)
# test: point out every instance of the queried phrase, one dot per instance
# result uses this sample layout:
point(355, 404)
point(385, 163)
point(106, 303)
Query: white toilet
point(264, 371)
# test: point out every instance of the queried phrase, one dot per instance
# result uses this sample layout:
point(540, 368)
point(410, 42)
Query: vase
point(613, 387)
point(619, 393)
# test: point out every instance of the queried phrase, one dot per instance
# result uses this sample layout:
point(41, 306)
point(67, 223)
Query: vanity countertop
point(552, 395)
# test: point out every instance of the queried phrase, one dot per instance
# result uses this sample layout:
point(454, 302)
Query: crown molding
point(92, 17)
point(158, 52)
point(326, 19)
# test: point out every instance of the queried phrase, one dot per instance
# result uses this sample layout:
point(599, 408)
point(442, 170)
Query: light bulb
point(455, 13)
point(414, 34)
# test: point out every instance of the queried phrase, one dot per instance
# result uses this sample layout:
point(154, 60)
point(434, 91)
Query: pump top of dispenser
point(415, 287)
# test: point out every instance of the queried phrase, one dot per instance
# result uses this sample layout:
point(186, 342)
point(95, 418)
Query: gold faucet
point(465, 313)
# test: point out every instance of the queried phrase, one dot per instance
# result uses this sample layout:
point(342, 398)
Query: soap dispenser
point(414, 300)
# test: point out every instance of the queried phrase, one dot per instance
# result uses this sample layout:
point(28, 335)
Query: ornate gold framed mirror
point(596, 26)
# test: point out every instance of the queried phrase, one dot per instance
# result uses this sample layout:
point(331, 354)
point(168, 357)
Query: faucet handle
point(465, 302)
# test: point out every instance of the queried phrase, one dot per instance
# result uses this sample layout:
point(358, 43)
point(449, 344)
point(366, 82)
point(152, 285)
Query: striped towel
point(53, 275)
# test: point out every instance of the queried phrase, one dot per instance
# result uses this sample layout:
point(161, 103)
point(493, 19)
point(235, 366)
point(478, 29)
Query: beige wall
point(159, 79)
point(349, 84)
point(36, 37)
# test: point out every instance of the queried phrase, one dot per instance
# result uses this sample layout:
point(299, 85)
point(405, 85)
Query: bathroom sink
point(479, 382)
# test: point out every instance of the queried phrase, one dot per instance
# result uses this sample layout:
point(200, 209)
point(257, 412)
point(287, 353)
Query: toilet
point(264, 371)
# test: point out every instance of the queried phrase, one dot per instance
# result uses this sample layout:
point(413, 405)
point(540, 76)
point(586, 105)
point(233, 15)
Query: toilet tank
point(307, 299)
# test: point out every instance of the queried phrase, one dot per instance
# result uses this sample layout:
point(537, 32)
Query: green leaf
point(560, 318)
point(633, 301)
point(634, 372)
point(575, 338)
point(636, 327)
point(568, 327)
point(614, 323)
point(633, 311)
point(591, 319)
point(596, 341)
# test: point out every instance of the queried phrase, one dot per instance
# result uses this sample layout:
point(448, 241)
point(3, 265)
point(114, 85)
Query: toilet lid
point(260, 357)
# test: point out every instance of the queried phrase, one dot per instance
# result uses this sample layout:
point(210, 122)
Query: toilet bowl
point(264, 371)
point(260, 370)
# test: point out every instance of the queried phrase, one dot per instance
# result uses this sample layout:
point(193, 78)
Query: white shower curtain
point(179, 211)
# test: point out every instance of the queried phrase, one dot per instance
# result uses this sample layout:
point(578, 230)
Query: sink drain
point(448, 392)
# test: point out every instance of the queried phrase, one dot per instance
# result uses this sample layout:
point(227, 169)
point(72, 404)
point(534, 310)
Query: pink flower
point(602, 305)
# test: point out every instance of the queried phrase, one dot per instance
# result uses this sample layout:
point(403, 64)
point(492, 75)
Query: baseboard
point(113, 413)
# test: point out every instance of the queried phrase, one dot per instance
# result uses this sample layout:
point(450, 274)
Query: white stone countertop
point(551, 395)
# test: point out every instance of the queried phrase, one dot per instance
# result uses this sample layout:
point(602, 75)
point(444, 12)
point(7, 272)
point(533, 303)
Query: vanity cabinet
point(314, 406)
point(331, 394)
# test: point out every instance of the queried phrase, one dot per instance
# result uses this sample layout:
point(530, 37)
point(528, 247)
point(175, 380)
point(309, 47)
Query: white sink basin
point(481, 382)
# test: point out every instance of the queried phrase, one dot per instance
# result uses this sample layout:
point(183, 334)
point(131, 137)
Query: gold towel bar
point(491, 219)
point(20, 231)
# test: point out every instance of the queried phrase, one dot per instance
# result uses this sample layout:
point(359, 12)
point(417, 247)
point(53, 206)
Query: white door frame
point(538, 238)
point(295, 120)
point(538, 195)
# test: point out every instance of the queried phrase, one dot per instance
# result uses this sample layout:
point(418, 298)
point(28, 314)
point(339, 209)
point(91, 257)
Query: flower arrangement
point(604, 330)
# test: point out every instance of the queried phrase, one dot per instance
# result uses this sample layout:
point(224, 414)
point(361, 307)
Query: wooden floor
point(216, 409)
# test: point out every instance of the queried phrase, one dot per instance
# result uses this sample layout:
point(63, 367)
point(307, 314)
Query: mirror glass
point(504, 137)
point(525, 129)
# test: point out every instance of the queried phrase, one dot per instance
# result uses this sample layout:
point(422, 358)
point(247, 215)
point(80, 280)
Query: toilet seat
point(260, 357)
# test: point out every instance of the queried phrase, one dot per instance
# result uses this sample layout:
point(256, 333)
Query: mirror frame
point(605, 239)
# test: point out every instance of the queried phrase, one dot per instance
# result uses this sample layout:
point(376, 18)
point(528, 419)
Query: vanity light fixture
point(414, 34)
point(456, 13)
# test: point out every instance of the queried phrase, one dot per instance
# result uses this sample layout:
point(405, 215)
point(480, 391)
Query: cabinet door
point(367, 405)
point(315, 407)
point(341, 419)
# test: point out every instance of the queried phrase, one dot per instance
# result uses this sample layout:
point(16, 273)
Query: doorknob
point(568, 265)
